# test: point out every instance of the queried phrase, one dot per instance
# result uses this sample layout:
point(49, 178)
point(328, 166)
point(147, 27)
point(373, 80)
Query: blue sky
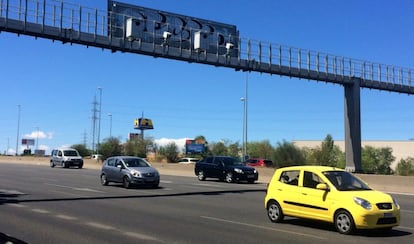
point(55, 83)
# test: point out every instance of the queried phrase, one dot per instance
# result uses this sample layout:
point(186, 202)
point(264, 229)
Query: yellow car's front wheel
point(344, 223)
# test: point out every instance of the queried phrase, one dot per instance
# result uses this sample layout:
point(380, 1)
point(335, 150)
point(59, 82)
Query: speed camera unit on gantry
point(144, 25)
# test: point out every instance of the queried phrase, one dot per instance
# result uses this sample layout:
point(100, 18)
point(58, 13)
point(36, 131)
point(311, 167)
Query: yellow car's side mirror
point(322, 186)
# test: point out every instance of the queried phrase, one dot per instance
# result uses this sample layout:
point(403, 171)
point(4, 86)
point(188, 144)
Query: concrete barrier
point(385, 183)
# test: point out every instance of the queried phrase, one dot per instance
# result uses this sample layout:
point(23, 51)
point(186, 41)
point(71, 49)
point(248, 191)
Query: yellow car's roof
point(317, 168)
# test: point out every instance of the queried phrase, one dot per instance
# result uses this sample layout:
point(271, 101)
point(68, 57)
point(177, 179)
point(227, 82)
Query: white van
point(66, 157)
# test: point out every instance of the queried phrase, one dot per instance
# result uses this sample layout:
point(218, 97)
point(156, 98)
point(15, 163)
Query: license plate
point(250, 176)
point(388, 215)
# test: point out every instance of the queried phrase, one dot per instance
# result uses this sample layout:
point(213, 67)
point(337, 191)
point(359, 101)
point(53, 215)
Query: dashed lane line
point(262, 227)
point(75, 188)
point(97, 225)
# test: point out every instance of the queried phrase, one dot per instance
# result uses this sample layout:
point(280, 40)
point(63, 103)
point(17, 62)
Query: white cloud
point(39, 135)
point(11, 151)
point(165, 141)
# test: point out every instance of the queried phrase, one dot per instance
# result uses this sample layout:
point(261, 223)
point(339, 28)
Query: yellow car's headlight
point(363, 203)
point(395, 203)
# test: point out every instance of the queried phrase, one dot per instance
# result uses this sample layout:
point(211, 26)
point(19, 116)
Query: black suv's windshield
point(229, 161)
point(135, 162)
point(345, 181)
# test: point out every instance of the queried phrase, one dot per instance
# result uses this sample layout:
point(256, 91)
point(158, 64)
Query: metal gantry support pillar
point(352, 121)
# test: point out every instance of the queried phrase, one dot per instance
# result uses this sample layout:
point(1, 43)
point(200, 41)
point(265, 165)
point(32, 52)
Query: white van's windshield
point(71, 153)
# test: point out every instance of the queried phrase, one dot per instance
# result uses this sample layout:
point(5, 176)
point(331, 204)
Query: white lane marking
point(403, 227)
point(38, 210)
point(209, 185)
point(407, 211)
point(16, 205)
point(141, 236)
point(100, 226)
point(262, 227)
point(11, 192)
point(87, 189)
point(92, 224)
point(65, 217)
point(75, 188)
point(166, 181)
point(401, 193)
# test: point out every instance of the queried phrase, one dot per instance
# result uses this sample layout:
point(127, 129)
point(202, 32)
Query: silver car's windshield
point(345, 181)
point(135, 162)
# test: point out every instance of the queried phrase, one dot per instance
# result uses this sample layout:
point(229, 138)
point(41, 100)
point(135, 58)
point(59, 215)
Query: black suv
point(229, 169)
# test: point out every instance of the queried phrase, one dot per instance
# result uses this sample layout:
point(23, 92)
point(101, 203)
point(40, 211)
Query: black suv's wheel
point(274, 212)
point(104, 181)
point(344, 223)
point(229, 177)
point(126, 182)
point(201, 175)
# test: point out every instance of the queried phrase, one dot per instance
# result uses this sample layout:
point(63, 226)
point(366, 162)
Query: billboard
point(28, 142)
point(157, 27)
point(143, 124)
point(132, 136)
point(192, 147)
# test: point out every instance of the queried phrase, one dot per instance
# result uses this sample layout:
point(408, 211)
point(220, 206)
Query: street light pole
point(110, 125)
point(246, 156)
point(245, 100)
point(37, 138)
point(100, 117)
point(18, 128)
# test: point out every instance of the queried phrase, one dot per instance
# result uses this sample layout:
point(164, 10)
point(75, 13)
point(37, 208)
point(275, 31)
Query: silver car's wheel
point(201, 175)
point(126, 182)
point(344, 222)
point(274, 212)
point(52, 165)
point(104, 181)
point(229, 177)
point(64, 165)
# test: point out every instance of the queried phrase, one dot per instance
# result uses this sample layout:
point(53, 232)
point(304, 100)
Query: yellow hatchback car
point(329, 194)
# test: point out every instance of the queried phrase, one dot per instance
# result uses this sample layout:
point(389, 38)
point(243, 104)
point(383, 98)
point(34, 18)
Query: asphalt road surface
point(39, 204)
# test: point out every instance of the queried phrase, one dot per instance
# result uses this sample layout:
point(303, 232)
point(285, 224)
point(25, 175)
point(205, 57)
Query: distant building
point(400, 149)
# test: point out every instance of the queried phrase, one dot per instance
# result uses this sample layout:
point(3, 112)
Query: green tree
point(233, 149)
point(218, 148)
point(110, 147)
point(138, 147)
point(287, 154)
point(405, 167)
point(327, 154)
point(261, 149)
point(377, 160)
point(83, 151)
point(170, 152)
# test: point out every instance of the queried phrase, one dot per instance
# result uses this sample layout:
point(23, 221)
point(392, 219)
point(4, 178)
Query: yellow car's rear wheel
point(274, 212)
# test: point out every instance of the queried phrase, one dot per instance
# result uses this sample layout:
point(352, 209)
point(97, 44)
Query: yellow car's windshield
point(345, 181)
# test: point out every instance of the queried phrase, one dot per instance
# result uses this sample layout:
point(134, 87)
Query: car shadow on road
point(15, 200)
point(378, 233)
point(9, 239)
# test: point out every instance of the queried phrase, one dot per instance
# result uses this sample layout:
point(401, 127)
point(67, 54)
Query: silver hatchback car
point(129, 171)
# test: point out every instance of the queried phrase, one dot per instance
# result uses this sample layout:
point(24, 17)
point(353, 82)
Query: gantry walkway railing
point(71, 23)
